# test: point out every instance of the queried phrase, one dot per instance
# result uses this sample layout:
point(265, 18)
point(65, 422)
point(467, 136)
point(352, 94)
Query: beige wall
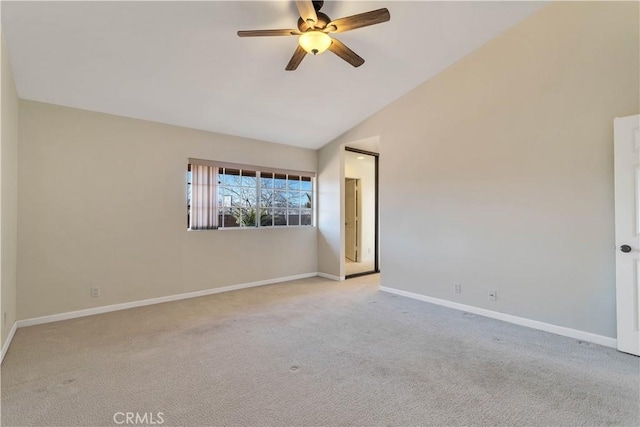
point(103, 203)
point(9, 200)
point(331, 211)
point(505, 160)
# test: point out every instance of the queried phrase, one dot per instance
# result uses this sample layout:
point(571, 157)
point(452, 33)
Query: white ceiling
point(181, 62)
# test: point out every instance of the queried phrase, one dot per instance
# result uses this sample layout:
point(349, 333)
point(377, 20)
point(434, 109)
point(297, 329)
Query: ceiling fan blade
point(358, 21)
point(345, 53)
point(261, 33)
point(296, 59)
point(307, 12)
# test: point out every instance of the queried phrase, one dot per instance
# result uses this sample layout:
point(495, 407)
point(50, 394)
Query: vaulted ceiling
point(182, 63)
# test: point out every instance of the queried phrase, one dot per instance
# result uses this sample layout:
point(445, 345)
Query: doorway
point(352, 212)
point(361, 212)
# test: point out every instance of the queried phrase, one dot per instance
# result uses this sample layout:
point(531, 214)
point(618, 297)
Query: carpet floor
point(311, 352)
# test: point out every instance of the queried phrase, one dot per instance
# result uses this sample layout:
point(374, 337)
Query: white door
point(351, 219)
point(627, 196)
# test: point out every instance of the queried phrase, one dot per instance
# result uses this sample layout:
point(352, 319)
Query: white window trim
point(227, 165)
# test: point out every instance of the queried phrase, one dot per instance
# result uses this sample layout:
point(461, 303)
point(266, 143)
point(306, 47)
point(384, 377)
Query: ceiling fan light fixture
point(313, 28)
point(314, 41)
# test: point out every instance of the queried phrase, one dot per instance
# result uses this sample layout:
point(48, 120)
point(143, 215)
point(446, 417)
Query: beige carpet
point(311, 352)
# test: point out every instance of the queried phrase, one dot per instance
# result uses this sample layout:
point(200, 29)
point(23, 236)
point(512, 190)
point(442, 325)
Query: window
point(221, 195)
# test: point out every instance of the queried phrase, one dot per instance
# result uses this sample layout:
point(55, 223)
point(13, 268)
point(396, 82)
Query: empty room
point(305, 213)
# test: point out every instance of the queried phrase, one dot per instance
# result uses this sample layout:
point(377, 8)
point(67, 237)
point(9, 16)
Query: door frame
point(626, 176)
point(376, 219)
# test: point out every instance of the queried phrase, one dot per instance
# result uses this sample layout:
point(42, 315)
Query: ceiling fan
point(314, 28)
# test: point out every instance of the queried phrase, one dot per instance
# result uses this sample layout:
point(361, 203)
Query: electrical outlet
point(95, 291)
point(457, 288)
point(493, 295)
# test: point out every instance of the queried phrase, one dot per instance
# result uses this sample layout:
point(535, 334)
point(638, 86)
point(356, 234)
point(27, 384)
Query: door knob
point(626, 249)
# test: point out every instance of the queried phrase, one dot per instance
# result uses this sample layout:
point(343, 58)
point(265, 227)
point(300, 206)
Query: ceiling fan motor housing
point(322, 22)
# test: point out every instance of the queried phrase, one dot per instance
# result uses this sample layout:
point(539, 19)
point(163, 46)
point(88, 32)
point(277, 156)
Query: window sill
point(277, 227)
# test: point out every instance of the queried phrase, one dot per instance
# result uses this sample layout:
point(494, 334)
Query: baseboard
point(331, 277)
point(7, 342)
point(535, 324)
point(141, 303)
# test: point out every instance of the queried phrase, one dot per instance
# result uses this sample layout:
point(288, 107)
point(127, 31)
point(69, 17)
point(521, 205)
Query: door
point(351, 219)
point(360, 198)
point(627, 217)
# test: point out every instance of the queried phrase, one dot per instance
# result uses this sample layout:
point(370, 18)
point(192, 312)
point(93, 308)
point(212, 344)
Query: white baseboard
point(5, 346)
point(535, 324)
point(123, 306)
point(559, 330)
point(331, 277)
